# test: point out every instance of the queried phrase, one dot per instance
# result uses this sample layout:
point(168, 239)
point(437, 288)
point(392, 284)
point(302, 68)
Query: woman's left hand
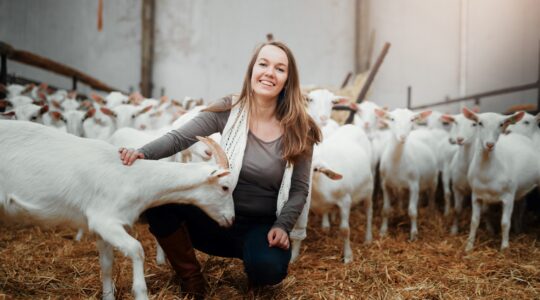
point(277, 237)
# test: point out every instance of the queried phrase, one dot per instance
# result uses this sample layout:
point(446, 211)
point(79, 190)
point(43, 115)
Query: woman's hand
point(277, 237)
point(128, 156)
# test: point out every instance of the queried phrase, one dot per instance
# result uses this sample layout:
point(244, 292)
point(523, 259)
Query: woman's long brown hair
point(300, 132)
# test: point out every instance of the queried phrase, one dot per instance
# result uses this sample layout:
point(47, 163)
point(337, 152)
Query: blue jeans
point(246, 239)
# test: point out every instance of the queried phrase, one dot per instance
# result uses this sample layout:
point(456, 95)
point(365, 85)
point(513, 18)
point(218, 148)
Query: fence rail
point(28, 58)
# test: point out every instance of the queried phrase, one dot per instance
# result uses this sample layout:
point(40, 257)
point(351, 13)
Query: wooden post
point(346, 81)
point(409, 98)
point(372, 73)
point(3, 75)
point(538, 81)
point(74, 83)
point(3, 70)
point(147, 45)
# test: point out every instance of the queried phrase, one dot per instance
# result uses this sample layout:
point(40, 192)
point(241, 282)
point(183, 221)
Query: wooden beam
point(372, 73)
point(35, 60)
point(147, 45)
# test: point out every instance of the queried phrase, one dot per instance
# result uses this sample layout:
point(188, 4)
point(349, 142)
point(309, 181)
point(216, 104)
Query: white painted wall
point(502, 45)
point(66, 31)
point(202, 47)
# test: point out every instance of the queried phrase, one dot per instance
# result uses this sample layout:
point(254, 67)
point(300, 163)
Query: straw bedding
point(38, 263)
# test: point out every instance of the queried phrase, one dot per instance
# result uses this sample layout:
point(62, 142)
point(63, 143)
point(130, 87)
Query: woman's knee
point(265, 270)
point(264, 265)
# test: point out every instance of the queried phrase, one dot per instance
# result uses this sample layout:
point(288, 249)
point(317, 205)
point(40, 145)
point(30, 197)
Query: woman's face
point(270, 72)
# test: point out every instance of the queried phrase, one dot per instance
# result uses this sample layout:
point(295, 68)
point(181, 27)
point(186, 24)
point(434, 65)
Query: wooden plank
point(38, 61)
point(372, 73)
point(147, 53)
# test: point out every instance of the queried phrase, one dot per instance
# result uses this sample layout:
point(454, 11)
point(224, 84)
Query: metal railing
point(477, 97)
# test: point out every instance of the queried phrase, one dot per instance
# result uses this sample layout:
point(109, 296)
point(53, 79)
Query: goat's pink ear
point(380, 113)
point(469, 114)
point(9, 113)
point(422, 115)
point(447, 118)
point(331, 174)
point(56, 115)
point(98, 98)
point(146, 109)
point(513, 119)
point(108, 112)
point(221, 173)
point(476, 109)
point(537, 117)
point(56, 104)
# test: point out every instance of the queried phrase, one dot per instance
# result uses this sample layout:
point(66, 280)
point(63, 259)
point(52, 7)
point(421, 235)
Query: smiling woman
point(268, 137)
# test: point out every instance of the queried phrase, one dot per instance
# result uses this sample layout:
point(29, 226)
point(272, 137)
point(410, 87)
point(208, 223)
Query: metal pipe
point(518, 88)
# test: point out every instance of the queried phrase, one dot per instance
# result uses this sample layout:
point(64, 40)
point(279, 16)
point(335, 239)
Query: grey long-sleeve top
point(256, 193)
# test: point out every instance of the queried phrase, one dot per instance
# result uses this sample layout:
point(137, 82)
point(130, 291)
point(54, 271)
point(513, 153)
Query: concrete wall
point(66, 31)
point(202, 47)
point(502, 44)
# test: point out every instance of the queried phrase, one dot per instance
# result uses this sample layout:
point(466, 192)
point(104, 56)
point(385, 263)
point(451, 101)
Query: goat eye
point(33, 118)
point(133, 116)
point(526, 122)
point(474, 124)
point(480, 123)
point(225, 188)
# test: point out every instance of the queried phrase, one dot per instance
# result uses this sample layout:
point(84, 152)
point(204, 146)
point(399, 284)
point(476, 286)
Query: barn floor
point(47, 264)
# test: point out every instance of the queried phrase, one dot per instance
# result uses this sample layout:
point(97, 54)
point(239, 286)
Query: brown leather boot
point(181, 256)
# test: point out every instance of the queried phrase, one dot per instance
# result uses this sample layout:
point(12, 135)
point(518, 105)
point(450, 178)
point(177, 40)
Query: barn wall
point(502, 50)
point(66, 31)
point(202, 47)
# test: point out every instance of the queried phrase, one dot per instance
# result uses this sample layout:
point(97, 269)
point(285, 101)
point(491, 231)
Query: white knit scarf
point(234, 140)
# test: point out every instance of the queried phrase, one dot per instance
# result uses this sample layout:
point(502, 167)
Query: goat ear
point(469, 114)
point(220, 173)
point(9, 113)
point(421, 116)
point(330, 174)
point(447, 118)
point(100, 100)
point(108, 112)
point(537, 117)
point(513, 119)
point(56, 115)
point(380, 113)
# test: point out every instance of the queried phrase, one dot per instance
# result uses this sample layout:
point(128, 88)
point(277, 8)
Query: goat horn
point(221, 157)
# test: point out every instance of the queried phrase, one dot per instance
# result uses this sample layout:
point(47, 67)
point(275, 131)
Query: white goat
point(407, 164)
point(27, 112)
point(82, 182)
point(463, 132)
point(320, 103)
point(342, 176)
point(528, 126)
point(504, 168)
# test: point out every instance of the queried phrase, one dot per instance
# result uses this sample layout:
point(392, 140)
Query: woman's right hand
point(128, 156)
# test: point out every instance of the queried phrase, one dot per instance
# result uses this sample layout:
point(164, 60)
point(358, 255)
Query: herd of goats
point(60, 165)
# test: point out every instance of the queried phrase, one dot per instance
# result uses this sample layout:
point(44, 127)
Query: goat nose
point(459, 140)
point(208, 152)
point(490, 145)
